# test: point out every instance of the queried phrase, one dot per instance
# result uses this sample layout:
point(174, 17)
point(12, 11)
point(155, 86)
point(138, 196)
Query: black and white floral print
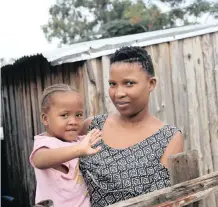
point(113, 175)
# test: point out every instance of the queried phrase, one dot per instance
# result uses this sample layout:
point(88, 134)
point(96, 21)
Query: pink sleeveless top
point(63, 189)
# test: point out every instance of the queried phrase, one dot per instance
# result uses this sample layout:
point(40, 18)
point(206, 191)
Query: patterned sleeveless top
point(113, 175)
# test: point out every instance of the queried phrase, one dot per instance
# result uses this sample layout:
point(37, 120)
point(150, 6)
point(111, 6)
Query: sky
point(20, 32)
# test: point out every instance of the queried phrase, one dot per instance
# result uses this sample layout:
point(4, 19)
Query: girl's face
point(64, 117)
point(130, 87)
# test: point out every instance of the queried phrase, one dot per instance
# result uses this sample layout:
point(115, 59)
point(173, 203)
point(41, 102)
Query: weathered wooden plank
point(179, 86)
point(94, 96)
point(28, 136)
point(13, 112)
point(189, 199)
point(47, 75)
point(202, 110)
point(153, 102)
point(33, 101)
point(215, 52)
point(208, 56)
point(54, 76)
point(18, 171)
point(7, 126)
point(90, 90)
point(109, 107)
point(178, 165)
point(73, 77)
point(39, 89)
point(21, 132)
point(170, 194)
point(79, 82)
point(193, 105)
point(166, 83)
point(156, 96)
point(65, 73)
point(96, 66)
point(211, 96)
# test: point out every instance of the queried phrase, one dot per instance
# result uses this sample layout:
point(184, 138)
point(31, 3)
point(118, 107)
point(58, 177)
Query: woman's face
point(130, 87)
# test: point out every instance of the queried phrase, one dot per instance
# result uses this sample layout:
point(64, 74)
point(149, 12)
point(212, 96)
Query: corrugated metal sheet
point(97, 48)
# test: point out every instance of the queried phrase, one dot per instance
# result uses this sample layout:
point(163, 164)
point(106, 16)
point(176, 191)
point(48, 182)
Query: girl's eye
point(64, 116)
point(79, 115)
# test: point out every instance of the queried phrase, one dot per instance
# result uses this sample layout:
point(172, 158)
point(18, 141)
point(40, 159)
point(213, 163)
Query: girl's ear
point(44, 119)
point(152, 83)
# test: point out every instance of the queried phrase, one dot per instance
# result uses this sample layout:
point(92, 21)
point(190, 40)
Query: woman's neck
point(141, 117)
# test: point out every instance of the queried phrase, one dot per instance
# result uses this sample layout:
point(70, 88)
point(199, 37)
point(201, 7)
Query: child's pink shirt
point(65, 190)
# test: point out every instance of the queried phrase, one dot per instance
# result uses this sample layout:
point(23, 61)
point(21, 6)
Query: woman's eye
point(129, 83)
point(111, 84)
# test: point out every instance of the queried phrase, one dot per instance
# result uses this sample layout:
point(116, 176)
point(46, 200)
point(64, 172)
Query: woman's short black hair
point(135, 54)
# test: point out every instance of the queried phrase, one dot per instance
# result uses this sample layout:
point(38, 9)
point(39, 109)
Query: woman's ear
point(44, 119)
point(152, 83)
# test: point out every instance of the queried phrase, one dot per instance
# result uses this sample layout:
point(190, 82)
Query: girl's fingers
point(93, 131)
point(91, 134)
point(94, 141)
point(96, 150)
point(96, 134)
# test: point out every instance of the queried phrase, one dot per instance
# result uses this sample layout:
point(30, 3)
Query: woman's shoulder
point(171, 128)
point(168, 131)
point(165, 129)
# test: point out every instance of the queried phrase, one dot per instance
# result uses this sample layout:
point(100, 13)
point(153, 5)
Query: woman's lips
point(122, 104)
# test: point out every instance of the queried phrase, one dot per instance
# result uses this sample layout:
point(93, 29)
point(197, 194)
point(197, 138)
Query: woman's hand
point(85, 147)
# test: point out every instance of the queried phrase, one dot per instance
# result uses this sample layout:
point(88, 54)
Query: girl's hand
point(89, 141)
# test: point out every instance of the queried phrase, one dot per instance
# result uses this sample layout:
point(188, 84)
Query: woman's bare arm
point(175, 146)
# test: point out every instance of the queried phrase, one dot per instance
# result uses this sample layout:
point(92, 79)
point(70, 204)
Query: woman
point(135, 144)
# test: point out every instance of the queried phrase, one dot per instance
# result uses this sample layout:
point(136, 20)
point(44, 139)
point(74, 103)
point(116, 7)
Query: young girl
point(56, 152)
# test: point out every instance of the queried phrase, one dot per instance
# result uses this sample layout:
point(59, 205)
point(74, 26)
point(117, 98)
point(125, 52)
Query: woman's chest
point(121, 138)
point(132, 170)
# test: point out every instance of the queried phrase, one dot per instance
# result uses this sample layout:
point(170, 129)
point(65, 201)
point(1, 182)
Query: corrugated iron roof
point(97, 48)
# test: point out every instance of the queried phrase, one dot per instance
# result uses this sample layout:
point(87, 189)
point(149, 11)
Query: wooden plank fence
point(186, 96)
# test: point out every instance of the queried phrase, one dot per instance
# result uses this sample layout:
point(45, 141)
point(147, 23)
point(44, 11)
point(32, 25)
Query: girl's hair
point(49, 91)
point(132, 54)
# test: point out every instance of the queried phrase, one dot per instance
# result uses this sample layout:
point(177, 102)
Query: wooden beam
point(178, 165)
point(171, 194)
point(189, 199)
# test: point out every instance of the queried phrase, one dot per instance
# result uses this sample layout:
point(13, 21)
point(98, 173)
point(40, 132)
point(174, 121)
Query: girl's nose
point(72, 121)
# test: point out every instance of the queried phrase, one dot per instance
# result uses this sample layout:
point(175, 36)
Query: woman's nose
point(120, 93)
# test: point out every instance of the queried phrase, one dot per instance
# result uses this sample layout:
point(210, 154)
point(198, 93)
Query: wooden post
point(183, 167)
